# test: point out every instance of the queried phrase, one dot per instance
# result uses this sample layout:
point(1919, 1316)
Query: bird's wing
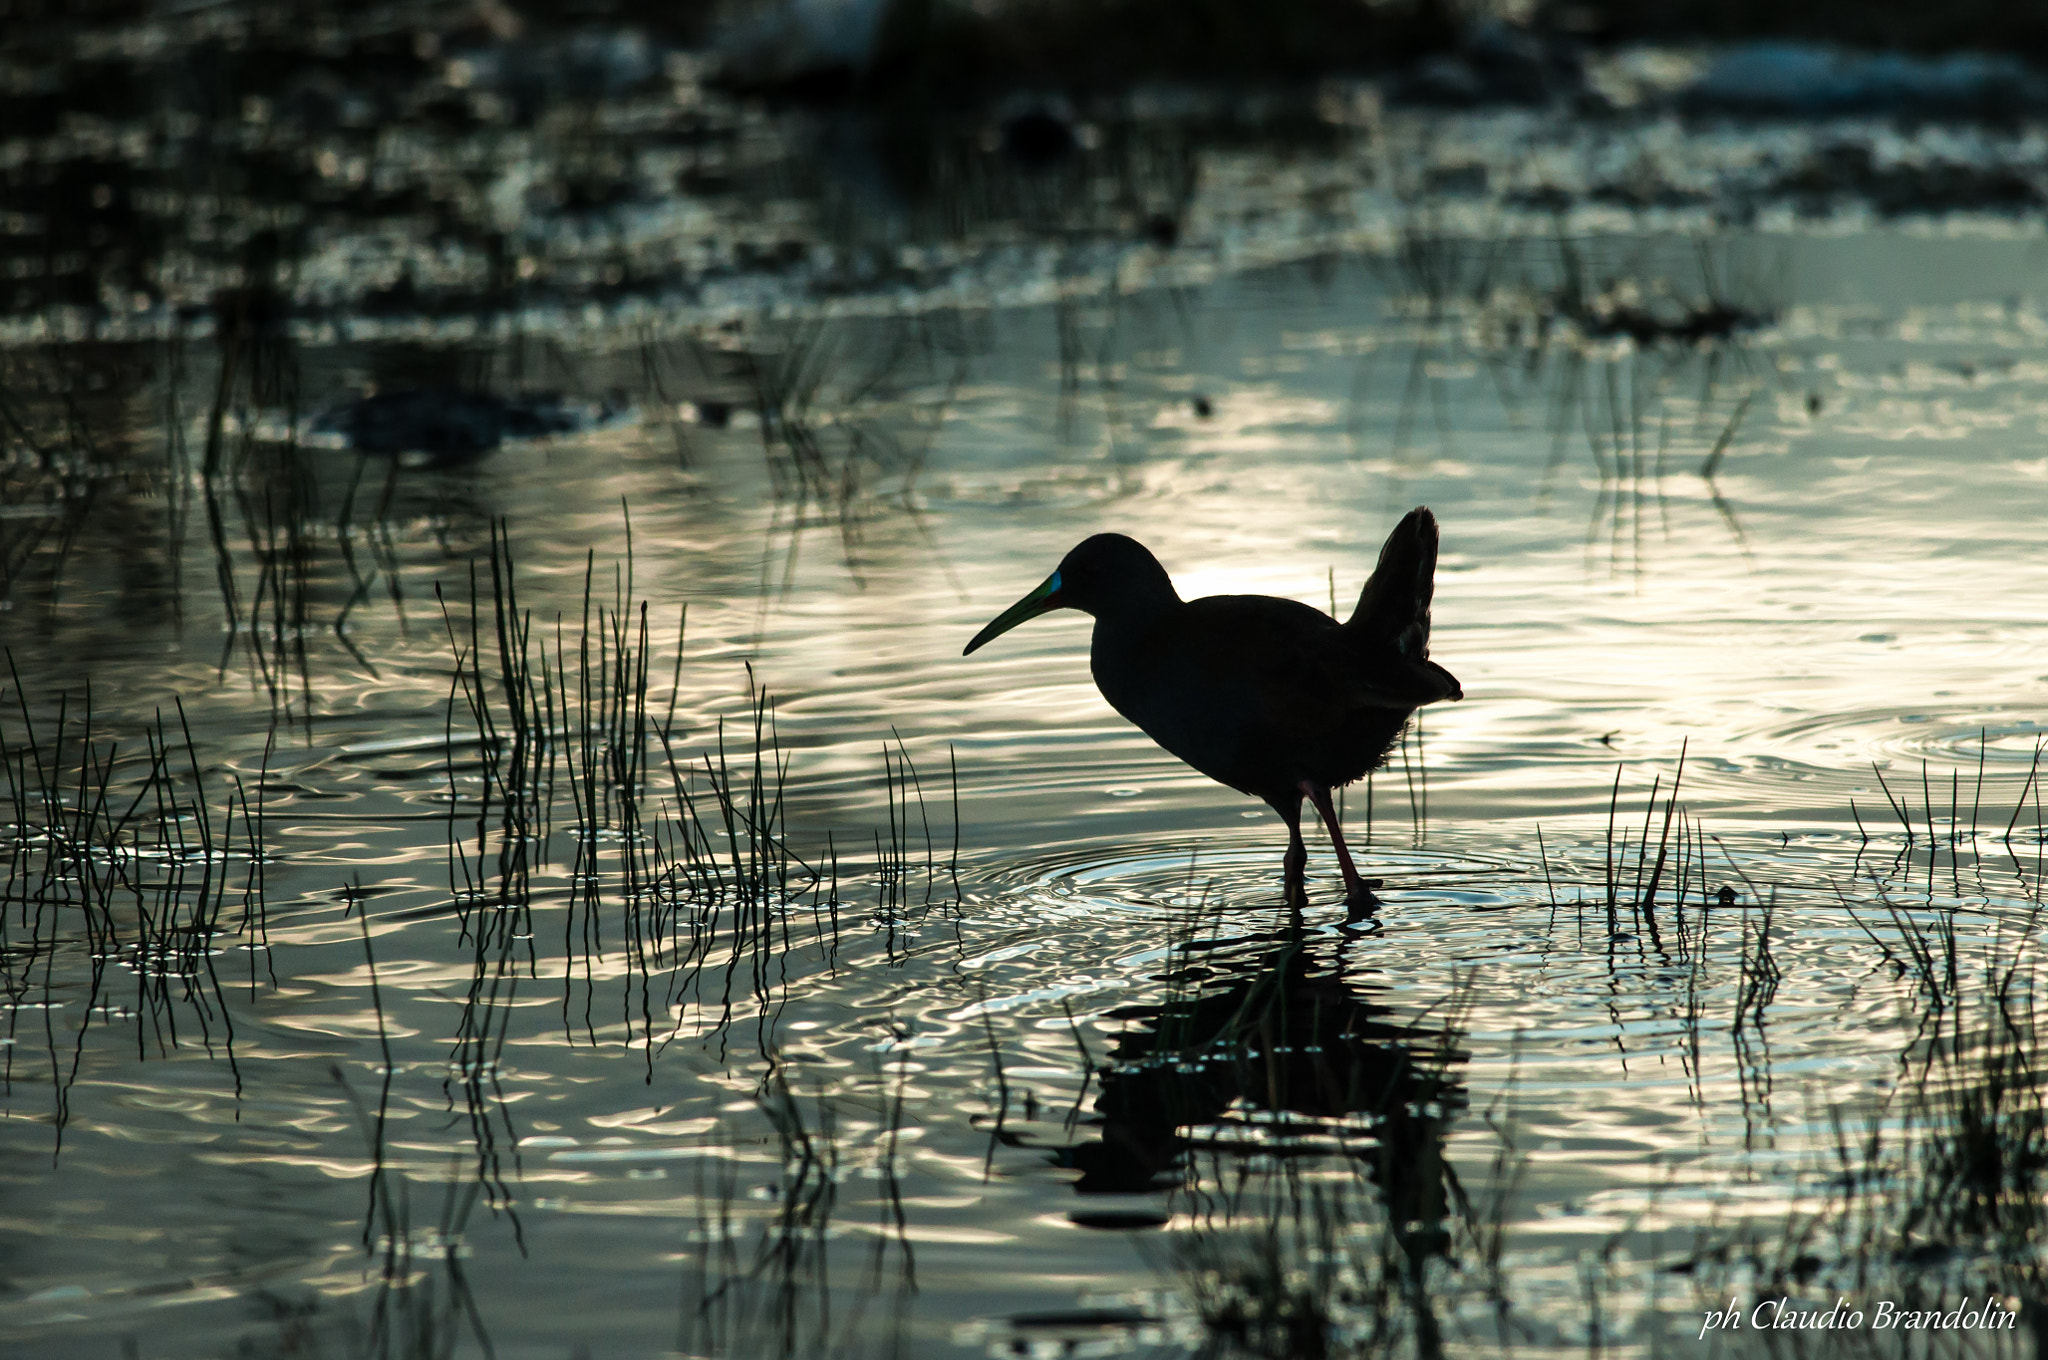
point(1296, 663)
point(1258, 692)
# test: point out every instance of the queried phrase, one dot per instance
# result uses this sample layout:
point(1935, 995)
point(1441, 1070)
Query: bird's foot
point(1360, 901)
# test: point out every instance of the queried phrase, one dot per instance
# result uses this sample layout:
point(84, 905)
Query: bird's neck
point(1138, 604)
point(1133, 639)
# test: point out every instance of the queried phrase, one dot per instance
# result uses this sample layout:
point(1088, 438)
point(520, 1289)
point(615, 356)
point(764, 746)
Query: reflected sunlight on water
point(994, 995)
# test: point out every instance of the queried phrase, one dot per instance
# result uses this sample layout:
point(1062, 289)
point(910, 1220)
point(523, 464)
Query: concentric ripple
point(1836, 751)
point(1172, 876)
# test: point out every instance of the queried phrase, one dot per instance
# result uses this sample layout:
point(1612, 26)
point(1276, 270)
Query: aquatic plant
point(121, 857)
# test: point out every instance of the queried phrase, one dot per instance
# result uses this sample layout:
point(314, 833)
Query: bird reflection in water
point(1266, 1098)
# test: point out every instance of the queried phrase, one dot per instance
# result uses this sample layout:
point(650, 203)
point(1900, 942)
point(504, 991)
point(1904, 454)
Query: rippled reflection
point(1267, 1051)
point(558, 887)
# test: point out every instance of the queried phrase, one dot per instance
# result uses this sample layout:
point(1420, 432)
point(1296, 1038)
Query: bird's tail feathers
point(1393, 608)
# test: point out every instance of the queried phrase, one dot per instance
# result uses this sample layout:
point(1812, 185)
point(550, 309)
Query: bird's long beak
point(1043, 600)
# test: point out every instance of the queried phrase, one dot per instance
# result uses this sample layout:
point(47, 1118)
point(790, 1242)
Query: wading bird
point(1272, 697)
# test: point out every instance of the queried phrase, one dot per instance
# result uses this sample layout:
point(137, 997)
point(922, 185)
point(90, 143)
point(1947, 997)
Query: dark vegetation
point(1900, 25)
point(1848, 173)
point(125, 865)
point(932, 52)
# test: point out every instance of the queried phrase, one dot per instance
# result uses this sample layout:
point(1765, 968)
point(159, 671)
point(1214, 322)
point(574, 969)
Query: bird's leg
point(1357, 892)
point(1294, 868)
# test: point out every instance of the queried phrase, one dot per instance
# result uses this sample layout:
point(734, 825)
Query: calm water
point(1033, 1064)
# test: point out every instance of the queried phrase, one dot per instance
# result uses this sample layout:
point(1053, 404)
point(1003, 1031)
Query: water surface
point(986, 1034)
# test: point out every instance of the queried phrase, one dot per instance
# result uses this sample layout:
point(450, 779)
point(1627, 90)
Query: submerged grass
point(683, 870)
point(120, 857)
point(1929, 1201)
point(1927, 1198)
point(664, 900)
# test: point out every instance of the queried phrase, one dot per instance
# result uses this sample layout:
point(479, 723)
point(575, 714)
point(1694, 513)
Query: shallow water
point(915, 1102)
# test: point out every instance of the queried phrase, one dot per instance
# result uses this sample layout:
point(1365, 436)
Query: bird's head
point(1108, 573)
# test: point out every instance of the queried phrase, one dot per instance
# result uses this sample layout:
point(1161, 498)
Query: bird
point(1268, 696)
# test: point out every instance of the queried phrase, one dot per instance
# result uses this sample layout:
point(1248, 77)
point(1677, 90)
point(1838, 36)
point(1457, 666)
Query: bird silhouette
point(1269, 696)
